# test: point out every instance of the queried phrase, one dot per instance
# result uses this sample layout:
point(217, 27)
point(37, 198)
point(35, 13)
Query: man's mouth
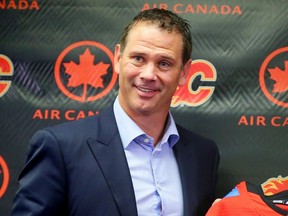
point(146, 90)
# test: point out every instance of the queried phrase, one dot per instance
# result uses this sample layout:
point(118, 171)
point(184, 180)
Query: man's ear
point(184, 73)
point(117, 56)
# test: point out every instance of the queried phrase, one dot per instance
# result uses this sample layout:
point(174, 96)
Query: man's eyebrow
point(137, 53)
point(168, 57)
point(161, 55)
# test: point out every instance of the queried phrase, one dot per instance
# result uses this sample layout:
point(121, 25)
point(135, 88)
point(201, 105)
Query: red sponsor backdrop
point(56, 66)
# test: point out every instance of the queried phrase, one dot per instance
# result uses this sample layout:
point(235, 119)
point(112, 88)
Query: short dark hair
point(166, 20)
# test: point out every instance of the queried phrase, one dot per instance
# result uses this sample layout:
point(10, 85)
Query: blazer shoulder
point(78, 131)
point(86, 126)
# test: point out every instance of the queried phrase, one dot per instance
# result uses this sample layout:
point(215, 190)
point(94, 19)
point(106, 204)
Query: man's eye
point(164, 64)
point(138, 58)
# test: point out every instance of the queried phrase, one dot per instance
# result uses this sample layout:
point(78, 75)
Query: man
point(132, 159)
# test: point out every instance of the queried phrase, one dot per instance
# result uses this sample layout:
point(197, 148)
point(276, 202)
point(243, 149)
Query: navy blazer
point(79, 168)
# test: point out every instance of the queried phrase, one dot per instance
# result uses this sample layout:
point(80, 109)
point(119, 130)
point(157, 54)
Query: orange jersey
point(248, 199)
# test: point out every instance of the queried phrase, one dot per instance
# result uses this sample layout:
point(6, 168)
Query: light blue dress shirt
point(154, 170)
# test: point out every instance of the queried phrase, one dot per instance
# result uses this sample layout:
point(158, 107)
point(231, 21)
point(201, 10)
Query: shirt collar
point(129, 130)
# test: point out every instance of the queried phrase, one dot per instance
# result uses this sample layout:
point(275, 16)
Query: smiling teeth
point(145, 90)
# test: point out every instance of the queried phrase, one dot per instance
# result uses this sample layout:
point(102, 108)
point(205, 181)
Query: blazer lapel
point(187, 164)
point(109, 154)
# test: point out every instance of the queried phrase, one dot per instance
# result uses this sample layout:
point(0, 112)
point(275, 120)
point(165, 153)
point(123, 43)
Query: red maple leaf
point(280, 77)
point(86, 72)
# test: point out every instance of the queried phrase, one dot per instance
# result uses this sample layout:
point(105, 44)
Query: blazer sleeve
point(42, 180)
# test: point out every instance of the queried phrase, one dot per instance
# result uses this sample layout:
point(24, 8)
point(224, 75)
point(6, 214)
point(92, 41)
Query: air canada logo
point(4, 176)
point(199, 85)
point(84, 71)
point(273, 77)
point(19, 5)
point(186, 8)
point(6, 72)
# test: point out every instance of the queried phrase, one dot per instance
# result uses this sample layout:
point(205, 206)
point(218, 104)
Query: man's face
point(150, 69)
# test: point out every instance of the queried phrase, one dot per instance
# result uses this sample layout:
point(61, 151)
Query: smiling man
point(133, 159)
point(150, 68)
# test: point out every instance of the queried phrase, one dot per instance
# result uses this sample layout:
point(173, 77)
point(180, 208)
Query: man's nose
point(148, 72)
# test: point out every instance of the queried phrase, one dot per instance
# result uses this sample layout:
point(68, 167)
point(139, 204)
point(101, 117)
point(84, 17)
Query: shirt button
point(146, 140)
point(155, 153)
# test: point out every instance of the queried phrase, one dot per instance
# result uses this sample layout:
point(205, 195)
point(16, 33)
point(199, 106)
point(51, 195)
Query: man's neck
point(152, 125)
